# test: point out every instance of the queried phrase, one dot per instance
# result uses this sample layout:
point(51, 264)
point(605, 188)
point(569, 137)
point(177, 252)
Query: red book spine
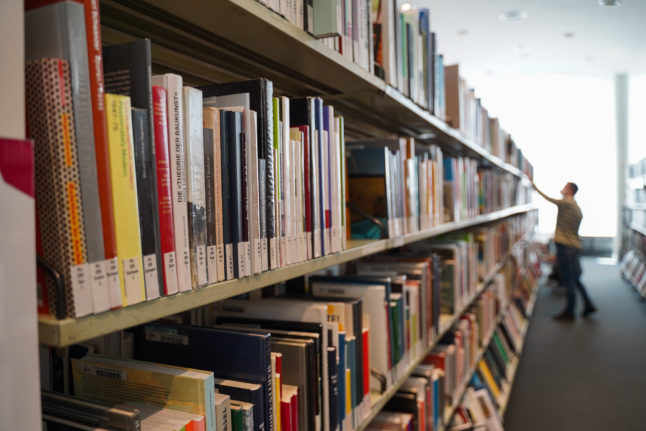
point(308, 183)
point(286, 415)
point(366, 362)
point(294, 408)
point(164, 194)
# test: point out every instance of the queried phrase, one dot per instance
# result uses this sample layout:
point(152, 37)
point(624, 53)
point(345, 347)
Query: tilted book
point(173, 85)
point(118, 381)
point(58, 194)
point(124, 198)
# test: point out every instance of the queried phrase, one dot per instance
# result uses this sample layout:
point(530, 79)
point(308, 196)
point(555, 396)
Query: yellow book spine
point(348, 393)
point(124, 198)
point(277, 401)
point(484, 369)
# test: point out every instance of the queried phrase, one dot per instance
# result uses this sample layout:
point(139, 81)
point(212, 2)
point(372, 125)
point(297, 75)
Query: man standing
point(568, 244)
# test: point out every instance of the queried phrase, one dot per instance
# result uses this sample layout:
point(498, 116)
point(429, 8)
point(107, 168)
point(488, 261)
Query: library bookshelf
point(231, 40)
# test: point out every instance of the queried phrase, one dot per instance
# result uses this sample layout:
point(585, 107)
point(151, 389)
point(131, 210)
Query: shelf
point(205, 42)
point(450, 410)
point(378, 401)
point(61, 333)
point(638, 228)
point(636, 207)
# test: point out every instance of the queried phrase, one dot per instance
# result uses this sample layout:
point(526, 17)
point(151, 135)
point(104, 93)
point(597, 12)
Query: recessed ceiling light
point(568, 35)
point(513, 15)
point(610, 3)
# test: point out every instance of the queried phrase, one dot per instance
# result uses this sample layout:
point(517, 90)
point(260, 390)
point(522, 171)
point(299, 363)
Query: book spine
point(95, 63)
point(343, 178)
point(234, 168)
point(307, 175)
point(60, 216)
point(253, 164)
point(147, 205)
point(277, 143)
point(333, 377)
point(227, 214)
point(194, 158)
point(173, 85)
point(270, 163)
point(243, 143)
point(209, 195)
point(124, 198)
point(285, 185)
point(164, 192)
point(218, 189)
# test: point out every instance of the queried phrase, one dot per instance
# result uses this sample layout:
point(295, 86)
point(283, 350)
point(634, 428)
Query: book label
point(283, 248)
point(317, 242)
point(264, 254)
point(221, 264)
point(170, 269)
point(110, 373)
point(165, 335)
point(150, 276)
point(202, 279)
point(186, 261)
point(257, 258)
point(242, 268)
point(308, 245)
point(247, 251)
point(230, 262)
point(100, 291)
point(212, 263)
point(132, 276)
point(273, 258)
point(81, 289)
point(113, 282)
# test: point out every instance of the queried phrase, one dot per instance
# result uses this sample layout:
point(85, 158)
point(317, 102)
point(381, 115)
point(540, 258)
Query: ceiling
point(576, 37)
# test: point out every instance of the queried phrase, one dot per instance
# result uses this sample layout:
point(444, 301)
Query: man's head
point(569, 190)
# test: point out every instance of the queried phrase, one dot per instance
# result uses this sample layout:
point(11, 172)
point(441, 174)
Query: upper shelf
point(242, 39)
point(60, 333)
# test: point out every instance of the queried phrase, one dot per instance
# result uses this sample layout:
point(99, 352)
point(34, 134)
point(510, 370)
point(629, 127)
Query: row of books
point(168, 188)
point(460, 356)
point(397, 187)
point(637, 169)
point(394, 40)
point(632, 266)
point(347, 336)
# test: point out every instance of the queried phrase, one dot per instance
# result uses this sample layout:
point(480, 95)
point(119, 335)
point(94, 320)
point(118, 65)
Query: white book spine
point(316, 196)
point(326, 192)
point(170, 266)
point(173, 84)
point(99, 283)
point(114, 282)
point(195, 189)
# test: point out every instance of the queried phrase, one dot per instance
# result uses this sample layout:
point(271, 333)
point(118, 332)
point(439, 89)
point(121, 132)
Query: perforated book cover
point(58, 195)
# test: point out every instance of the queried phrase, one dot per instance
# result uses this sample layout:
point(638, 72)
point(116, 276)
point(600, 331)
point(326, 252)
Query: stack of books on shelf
point(312, 353)
point(632, 265)
point(476, 358)
point(155, 187)
point(397, 187)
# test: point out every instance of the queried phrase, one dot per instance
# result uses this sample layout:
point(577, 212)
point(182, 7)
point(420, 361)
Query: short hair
point(573, 187)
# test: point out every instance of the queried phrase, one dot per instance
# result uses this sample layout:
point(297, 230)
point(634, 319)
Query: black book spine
point(437, 277)
point(358, 331)
point(146, 185)
point(253, 397)
point(333, 379)
point(244, 176)
point(227, 237)
point(269, 389)
point(209, 195)
point(127, 71)
point(234, 120)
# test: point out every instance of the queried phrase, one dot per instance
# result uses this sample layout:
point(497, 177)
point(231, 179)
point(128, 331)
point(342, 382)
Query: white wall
point(565, 125)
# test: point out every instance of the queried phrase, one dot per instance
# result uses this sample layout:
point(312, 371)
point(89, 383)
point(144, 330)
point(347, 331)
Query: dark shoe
point(589, 310)
point(564, 316)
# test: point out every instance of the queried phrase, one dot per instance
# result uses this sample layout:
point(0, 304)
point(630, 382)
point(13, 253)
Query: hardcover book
point(164, 191)
point(127, 71)
point(58, 193)
point(173, 85)
point(194, 148)
point(215, 222)
point(124, 198)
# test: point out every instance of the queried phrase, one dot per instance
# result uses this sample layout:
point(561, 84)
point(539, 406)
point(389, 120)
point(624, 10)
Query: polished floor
point(589, 374)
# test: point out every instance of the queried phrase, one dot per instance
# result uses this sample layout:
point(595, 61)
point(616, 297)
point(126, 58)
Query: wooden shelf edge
point(61, 333)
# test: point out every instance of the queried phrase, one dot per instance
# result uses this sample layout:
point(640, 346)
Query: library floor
point(589, 374)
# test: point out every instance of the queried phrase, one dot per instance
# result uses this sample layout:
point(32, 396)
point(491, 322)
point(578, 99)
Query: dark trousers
point(567, 259)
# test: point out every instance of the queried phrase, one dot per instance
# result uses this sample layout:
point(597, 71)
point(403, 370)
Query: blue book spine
point(354, 390)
